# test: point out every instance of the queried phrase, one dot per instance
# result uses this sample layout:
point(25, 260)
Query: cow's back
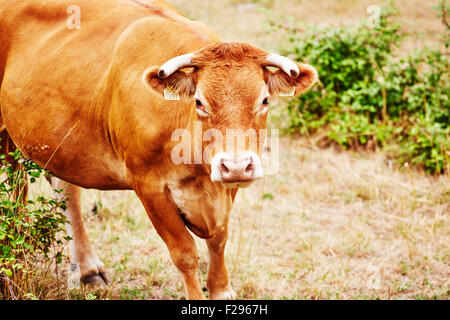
point(36, 32)
point(38, 29)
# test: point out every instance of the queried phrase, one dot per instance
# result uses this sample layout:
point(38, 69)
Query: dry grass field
point(328, 225)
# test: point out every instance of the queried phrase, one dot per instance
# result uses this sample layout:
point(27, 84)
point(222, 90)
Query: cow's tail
point(20, 184)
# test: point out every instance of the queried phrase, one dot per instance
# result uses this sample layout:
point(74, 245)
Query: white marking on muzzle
point(232, 161)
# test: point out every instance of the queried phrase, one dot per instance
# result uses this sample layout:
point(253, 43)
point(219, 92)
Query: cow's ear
point(180, 84)
point(280, 83)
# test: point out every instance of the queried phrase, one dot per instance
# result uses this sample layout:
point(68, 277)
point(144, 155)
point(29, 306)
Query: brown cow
point(94, 93)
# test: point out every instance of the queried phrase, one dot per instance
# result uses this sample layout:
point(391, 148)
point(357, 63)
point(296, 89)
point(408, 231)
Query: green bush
point(370, 96)
point(29, 230)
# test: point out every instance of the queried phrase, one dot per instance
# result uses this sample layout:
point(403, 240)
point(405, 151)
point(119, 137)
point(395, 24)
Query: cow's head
point(230, 86)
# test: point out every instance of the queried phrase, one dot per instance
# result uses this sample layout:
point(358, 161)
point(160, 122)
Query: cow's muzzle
point(236, 170)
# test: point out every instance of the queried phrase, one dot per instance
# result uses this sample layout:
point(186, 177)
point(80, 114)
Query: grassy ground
point(329, 225)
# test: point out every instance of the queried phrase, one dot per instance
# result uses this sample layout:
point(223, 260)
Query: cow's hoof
point(229, 294)
point(95, 278)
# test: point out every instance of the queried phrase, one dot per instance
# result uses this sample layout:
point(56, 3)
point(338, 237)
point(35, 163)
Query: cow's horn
point(285, 64)
point(175, 64)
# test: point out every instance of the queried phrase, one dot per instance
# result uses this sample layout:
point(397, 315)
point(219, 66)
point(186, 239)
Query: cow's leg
point(168, 223)
point(218, 283)
point(82, 255)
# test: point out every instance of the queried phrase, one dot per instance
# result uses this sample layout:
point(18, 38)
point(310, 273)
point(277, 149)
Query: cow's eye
point(201, 111)
point(264, 106)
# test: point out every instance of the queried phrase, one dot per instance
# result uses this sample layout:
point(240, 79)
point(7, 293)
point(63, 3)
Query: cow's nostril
point(223, 168)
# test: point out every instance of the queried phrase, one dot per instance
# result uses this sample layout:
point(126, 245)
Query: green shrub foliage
point(29, 230)
point(372, 93)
